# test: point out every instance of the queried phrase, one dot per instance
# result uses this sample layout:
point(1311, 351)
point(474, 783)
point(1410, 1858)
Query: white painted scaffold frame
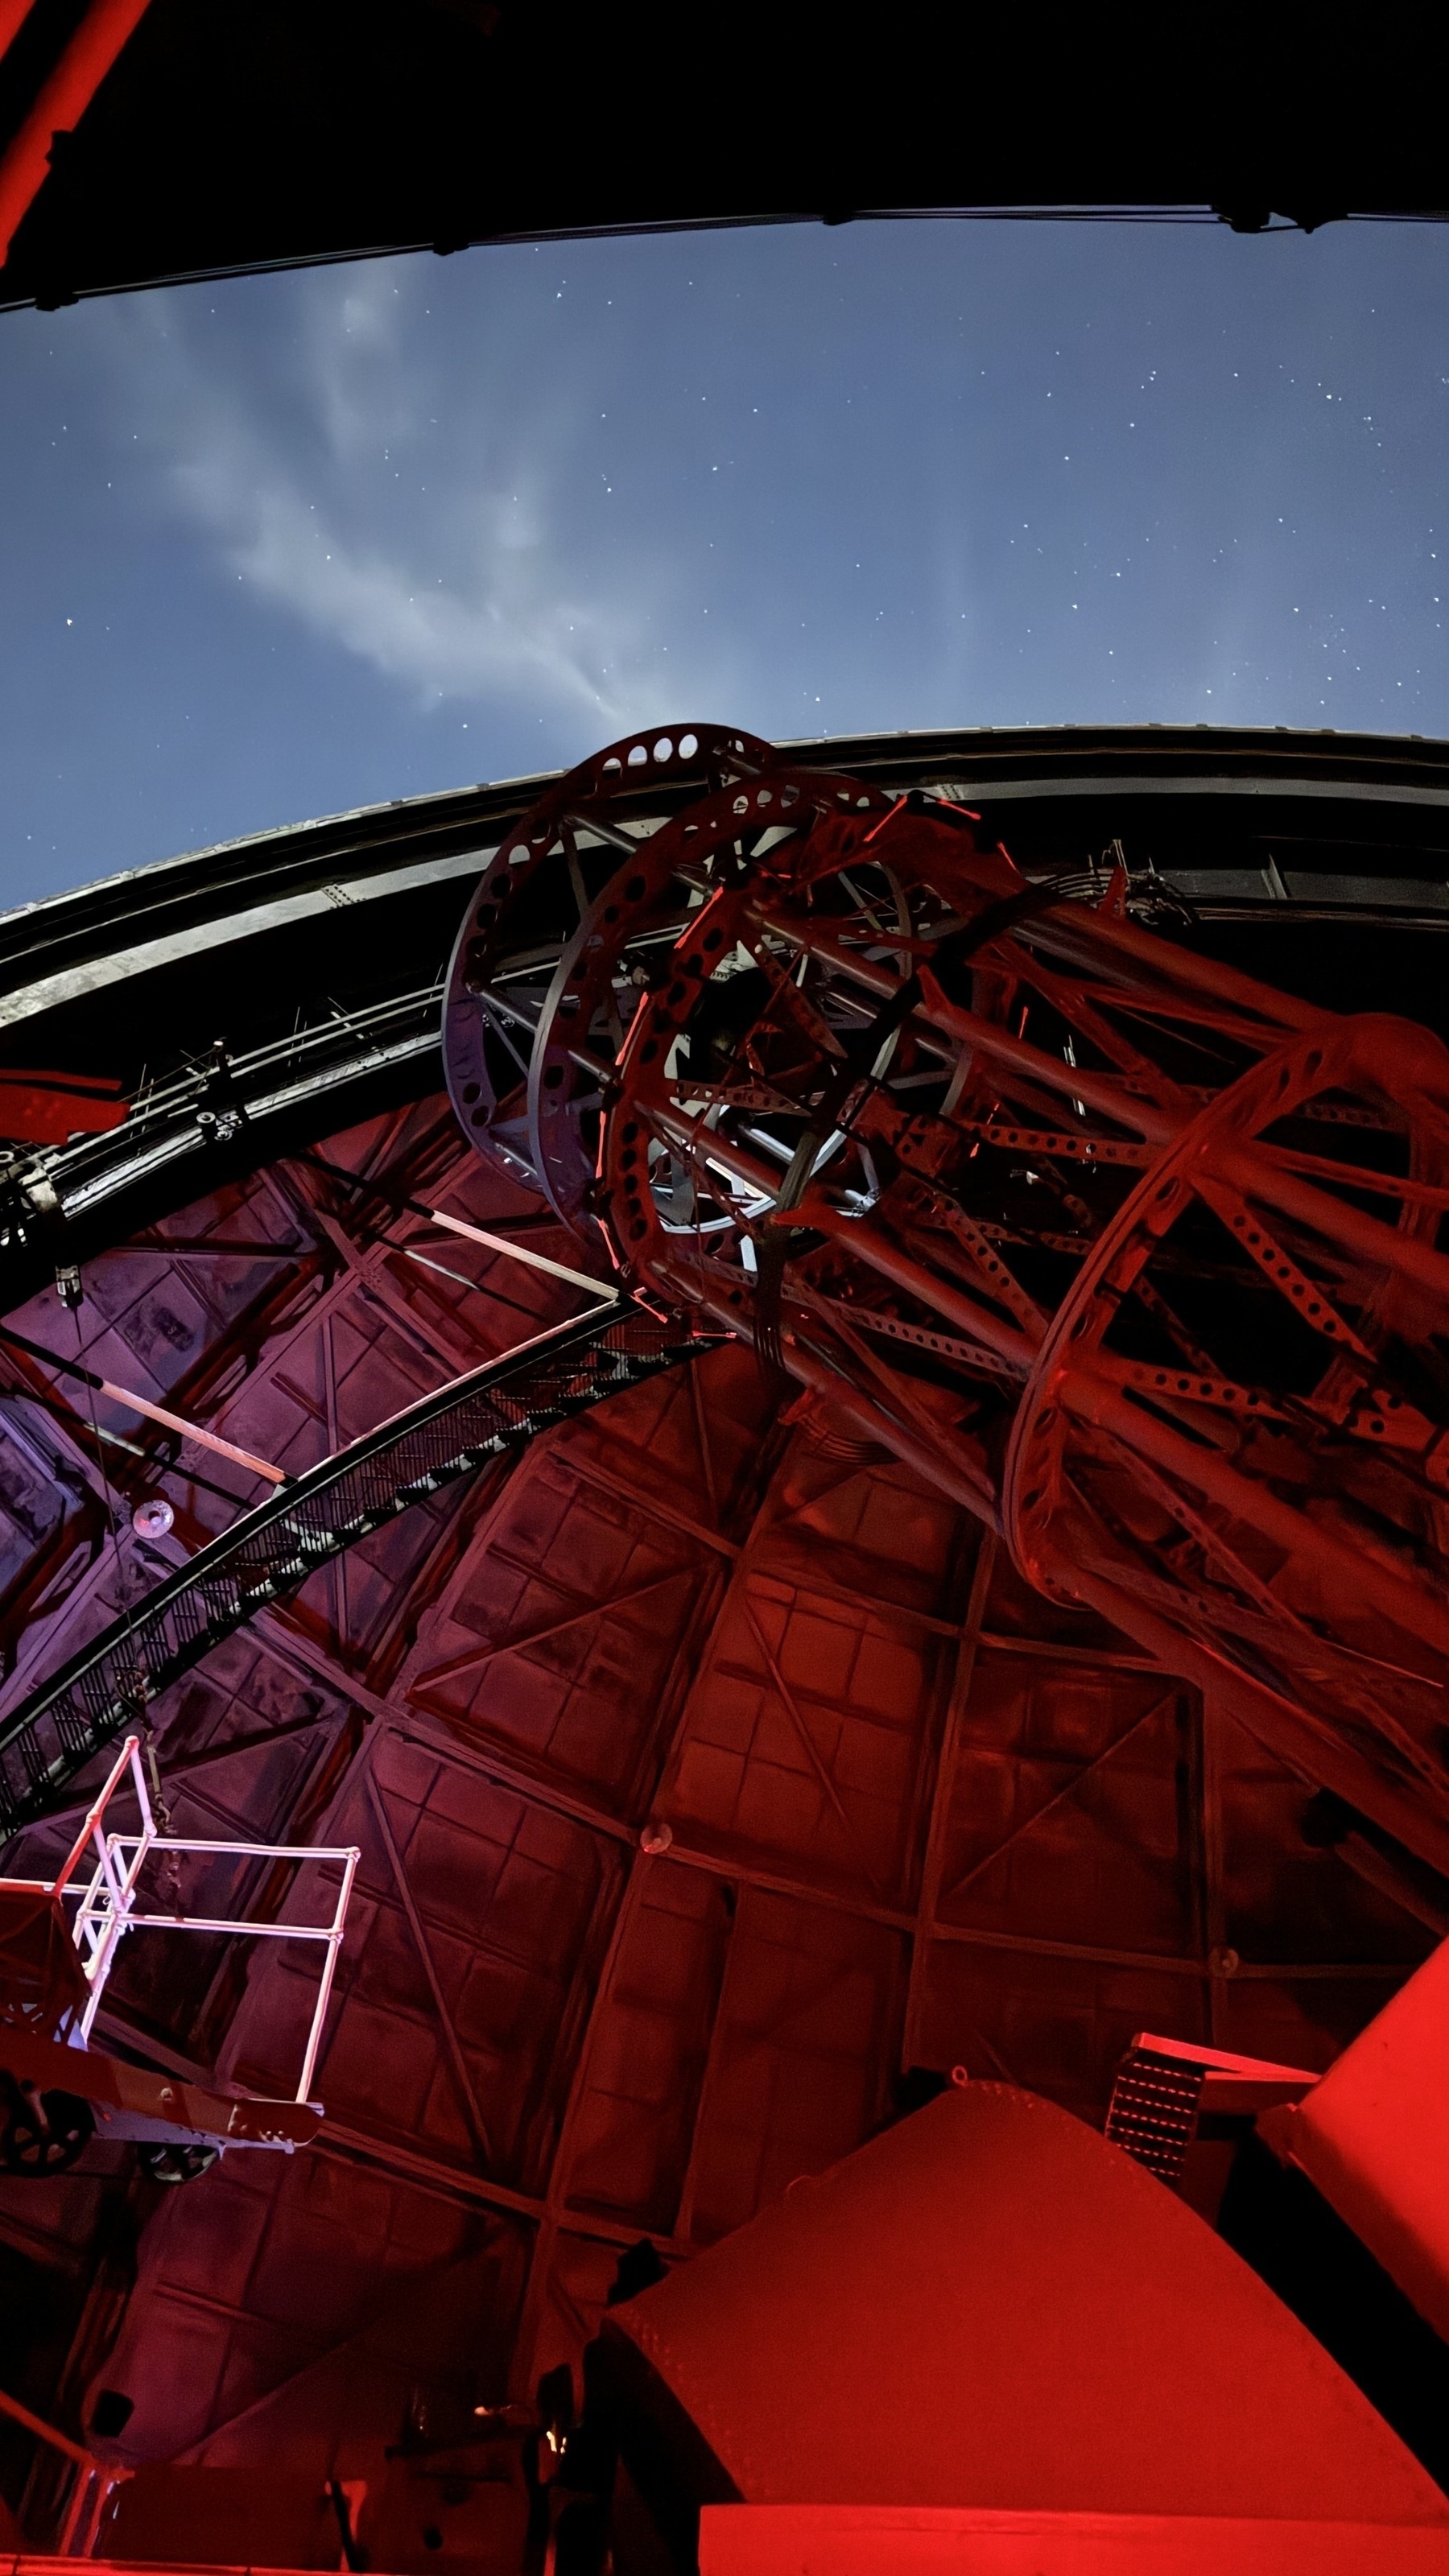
point(107, 1907)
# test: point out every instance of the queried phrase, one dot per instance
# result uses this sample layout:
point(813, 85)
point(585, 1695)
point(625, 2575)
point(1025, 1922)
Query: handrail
point(61, 1726)
point(92, 2487)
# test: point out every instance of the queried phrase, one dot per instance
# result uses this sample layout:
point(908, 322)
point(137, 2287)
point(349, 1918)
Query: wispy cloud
point(324, 485)
point(503, 623)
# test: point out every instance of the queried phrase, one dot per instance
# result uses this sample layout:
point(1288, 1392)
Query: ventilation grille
point(1153, 2110)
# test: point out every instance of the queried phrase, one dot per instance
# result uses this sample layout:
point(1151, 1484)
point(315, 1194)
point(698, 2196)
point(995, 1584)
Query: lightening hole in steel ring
point(554, 1076)
point(613, 768)
point(664, 748)
point(637, 756)
point(472, 1091)
point(634, 889)
point(688, 745)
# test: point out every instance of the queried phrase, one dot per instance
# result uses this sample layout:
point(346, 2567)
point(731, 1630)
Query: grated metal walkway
point(270, 1551)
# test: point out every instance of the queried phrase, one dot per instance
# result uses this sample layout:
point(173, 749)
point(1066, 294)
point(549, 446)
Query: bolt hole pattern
point(537, 854)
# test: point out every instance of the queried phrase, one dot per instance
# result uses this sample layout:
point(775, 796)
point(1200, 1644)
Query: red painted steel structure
point(712, 1768)
point(61, 101)
point(1133, 1256)
point(988, 2307)
point(1373, 2137)
point(895, 2540)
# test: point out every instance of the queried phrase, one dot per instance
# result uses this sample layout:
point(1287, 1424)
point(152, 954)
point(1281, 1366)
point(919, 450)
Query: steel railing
point(61, 1726)
point(179, 1113)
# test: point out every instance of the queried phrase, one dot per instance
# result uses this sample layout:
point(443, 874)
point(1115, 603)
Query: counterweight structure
point(1133, 1256)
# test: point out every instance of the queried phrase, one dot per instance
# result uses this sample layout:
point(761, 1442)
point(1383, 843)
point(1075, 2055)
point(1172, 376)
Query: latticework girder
point(1134, 1256)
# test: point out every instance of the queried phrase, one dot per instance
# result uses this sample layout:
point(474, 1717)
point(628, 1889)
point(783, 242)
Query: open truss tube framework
point(60, 1728)
point(1136, 1256)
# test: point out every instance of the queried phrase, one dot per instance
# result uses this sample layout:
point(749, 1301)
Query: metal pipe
point(870, 1245)
point(142, 1404)
point(329, 1971)
point(249, 1851)
point(1352, 1577)
point(13, 14)
point(46, 2432)
point(59, 106)
point(225, 1923)
point(600, 1288)
point(1334, 1220)
point(1073, 927)
point(98, 1809)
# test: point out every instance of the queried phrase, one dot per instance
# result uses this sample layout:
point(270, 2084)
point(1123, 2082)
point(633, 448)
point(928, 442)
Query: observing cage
point(54, 2086)
point(107, 1910)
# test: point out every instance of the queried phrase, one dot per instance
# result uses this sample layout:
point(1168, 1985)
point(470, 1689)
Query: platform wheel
point(174, 2164)
point(45, 2133)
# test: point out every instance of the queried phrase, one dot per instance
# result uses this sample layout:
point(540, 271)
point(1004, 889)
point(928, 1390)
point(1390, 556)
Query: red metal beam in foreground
point(1373, 2137)
point(904, 2540)
point(60, 103)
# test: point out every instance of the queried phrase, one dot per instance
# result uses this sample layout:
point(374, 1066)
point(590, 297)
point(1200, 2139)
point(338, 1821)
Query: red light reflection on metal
point(105, 29)
point(1134, 1256)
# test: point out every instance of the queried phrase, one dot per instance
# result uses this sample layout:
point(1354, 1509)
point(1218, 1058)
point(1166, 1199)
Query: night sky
point(291, 544)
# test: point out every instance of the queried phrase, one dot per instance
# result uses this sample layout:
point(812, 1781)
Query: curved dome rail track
point(61, 1727)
